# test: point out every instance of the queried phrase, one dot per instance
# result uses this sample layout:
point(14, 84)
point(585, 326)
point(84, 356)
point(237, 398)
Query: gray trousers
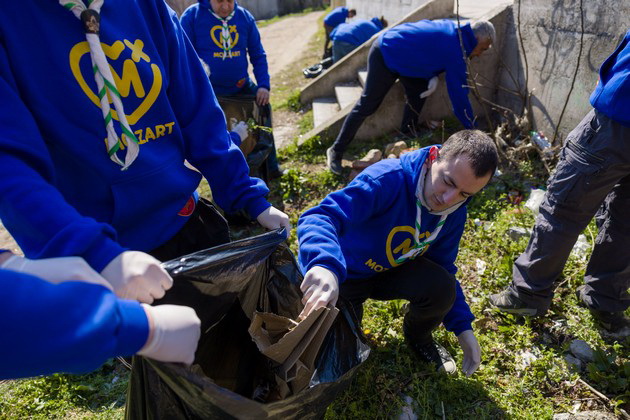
point(592, 178)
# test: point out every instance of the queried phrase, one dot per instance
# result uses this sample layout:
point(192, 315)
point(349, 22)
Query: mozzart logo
point(127, 81)
point(399, 242)
point(139, 83)
point(215, 34)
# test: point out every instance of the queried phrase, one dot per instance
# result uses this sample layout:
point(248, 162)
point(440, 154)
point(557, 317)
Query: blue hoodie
point(427, 48)
point(70, 327)
point(228, 76)
point(337, 16)
point(356, 32)
point(362, 229)
point(612, 94)
point(60, 194)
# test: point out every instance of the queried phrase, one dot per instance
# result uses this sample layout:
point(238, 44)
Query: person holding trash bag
point(224, 34)
point(333, 19)
point(394, 233)
point(416, 53)
point(59, 315)
point(96, 131)
point(592, 178)
point(348, 36)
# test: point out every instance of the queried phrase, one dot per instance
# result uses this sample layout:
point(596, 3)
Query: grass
point(523, 374)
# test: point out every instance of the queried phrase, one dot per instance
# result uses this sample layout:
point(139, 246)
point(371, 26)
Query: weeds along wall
point(556, 48)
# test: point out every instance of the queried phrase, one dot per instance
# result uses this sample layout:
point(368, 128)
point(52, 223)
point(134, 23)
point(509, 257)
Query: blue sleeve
point(70, 327)
point(456, 83)
point(257, 54)
point(41, 221)
point(320, 227)
point(209, 147)
point(444, 252)
point(236, 139)
point(187, 21)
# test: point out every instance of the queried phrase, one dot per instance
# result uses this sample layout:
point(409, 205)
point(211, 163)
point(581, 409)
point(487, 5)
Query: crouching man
point(394, 233)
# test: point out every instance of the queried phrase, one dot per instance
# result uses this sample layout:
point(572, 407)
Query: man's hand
point(320, 288)
point(56, 270)
point(138, 276)
point(433, 84)
point(472, 352)
point(262, 96)
point(272, 218)
point(173, 333)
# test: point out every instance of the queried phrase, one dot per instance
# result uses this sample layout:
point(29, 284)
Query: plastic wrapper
point(231, 378)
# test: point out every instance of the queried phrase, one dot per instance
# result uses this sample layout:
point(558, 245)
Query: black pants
point(592, 179)
point(428, 287)
point(204, 229)
point(379, 81)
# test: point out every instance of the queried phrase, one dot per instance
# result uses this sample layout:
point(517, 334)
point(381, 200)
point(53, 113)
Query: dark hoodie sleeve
point(257, 54)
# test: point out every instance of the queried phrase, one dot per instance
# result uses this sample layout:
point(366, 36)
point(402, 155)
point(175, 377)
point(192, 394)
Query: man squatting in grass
point(336, 17)
point(59, 315)
point(592, 178)
point(224, 34)
point(416, 53)
point(394, 233)
point(70, 186)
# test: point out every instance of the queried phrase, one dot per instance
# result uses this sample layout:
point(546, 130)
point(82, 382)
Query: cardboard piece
point(291, 345)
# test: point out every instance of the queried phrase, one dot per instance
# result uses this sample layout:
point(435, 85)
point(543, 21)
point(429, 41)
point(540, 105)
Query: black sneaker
point(614, 322)
point(506, 301)
point(333, 162)
point(434, 353)
point(278, 173)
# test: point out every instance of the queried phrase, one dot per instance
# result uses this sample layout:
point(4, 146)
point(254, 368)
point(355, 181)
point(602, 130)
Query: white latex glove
point(262, 96)
point(472, 352)
point(320, 288)
point(138, 276)
point(433, 84)
point(272, 218)
point(56, 270)
point(174, 332)
point(241, 130)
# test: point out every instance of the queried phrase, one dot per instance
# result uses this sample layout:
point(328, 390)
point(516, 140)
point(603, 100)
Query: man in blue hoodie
point(416, 53)
point(59, 315)
point(224, 34)
point(332, 20)
point(95, 134)
point(348, 36)
point(394, 233)
point(592, 178)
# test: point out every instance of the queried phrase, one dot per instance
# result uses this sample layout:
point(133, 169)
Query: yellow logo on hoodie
point(135, 62)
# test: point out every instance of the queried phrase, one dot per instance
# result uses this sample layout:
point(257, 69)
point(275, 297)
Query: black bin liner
point(225, 285)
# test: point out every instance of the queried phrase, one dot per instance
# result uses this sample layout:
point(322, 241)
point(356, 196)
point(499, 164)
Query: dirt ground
point(283, 42)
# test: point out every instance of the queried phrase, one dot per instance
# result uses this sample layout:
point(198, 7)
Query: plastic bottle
point(539, 139)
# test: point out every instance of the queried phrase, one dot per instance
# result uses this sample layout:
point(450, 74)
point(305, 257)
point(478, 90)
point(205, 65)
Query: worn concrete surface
point(552, 38)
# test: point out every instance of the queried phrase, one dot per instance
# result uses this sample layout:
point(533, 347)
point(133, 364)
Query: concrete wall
point(551, 32)
point(393, 10)
point(260, 9)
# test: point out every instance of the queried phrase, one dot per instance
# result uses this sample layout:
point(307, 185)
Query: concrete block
point(362, 76)
point(324, 109)
point(348, 95)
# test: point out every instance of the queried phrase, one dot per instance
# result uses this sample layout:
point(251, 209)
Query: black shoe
point(278, 173)
point(433, 353)
point(333, 162)
point(614, 322)
point(506, 301)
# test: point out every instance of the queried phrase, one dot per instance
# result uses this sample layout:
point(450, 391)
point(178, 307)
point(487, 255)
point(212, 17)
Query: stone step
point(324, 109)
point(362, 76)
point(347, 95)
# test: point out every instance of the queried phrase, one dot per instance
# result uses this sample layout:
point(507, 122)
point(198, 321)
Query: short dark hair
point(477, 146)
point(353, 11)
point(384, 21)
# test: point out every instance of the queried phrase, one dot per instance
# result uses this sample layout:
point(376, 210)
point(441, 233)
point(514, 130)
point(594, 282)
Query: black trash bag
point(225, 285)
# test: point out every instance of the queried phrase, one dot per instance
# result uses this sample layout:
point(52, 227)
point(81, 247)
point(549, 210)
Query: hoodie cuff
point(257, 206)
point(134, 328)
